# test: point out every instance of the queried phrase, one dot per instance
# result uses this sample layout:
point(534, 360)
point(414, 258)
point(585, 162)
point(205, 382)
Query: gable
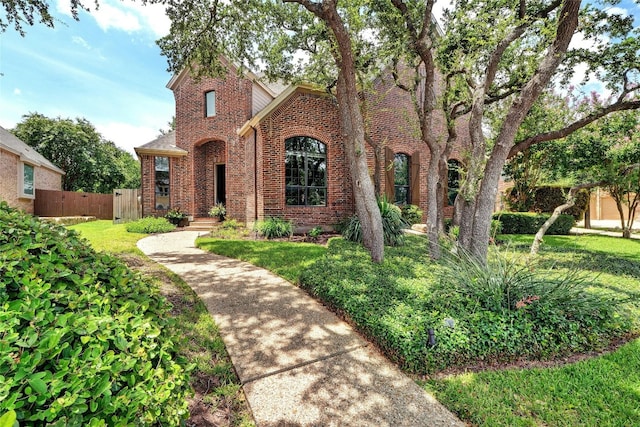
point(13, 144)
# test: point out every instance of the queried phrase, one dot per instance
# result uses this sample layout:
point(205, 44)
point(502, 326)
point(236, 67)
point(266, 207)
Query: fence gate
point(126, 206)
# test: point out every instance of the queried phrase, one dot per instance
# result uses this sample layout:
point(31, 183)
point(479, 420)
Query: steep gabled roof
point(272, 88)
point(282, 98)
point(13, 144)
point(164, 145)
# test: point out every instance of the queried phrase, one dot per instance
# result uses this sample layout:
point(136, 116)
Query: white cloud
point(126, 16)
point(127, 136)
point(108, 16)
point(80, 41)
point(17, 91)
point(617, 11)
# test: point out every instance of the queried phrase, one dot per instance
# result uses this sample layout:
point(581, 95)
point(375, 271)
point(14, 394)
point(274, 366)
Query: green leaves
point(83, 337)
point(90, 162)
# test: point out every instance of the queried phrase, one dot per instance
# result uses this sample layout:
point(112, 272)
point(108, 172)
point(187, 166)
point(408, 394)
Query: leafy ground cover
point(218, 398)
point(397, 302)
point(84, 339)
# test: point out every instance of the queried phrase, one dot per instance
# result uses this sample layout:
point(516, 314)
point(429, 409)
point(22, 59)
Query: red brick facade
point(255, 184)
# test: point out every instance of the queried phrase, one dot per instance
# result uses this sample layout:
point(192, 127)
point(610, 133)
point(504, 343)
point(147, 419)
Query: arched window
point(401, 178)
point(453, 181)
point(305, 172)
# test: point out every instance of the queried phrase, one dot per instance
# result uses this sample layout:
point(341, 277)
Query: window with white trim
point(27, 181)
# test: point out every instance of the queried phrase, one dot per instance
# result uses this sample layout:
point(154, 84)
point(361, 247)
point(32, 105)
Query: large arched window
point(401, 178)
point(305, 172)
point(453, 182)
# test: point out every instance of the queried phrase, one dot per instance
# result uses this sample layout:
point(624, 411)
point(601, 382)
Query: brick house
point(267, 150)
point(24, 171)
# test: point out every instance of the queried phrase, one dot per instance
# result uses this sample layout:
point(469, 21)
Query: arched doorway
point(209, 176)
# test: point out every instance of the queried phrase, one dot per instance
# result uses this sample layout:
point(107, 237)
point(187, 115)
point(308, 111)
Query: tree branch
point(579, 124)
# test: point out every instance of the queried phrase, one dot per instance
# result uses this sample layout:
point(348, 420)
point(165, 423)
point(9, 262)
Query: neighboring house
point(24, 171)
point(266, 150)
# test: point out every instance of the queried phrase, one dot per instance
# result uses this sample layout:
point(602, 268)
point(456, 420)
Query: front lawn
point(218, 393)
point(396, 303)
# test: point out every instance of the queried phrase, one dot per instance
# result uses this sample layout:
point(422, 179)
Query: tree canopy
point(91, 163)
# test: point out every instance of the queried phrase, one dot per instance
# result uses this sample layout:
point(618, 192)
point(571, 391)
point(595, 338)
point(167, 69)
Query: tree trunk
point(353, 129)
point(433, 208)
point(478, 243)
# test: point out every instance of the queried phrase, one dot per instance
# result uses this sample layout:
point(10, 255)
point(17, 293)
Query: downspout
point(255, 174)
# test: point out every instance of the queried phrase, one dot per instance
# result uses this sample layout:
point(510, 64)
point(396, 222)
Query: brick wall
point(193, 129)
point(303, 115)
point(45, 179)
point(393, 122)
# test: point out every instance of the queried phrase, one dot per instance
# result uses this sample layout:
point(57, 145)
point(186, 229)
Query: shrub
point(411, 214)
point(392, 225)
point(509, 309)
point(507, 312)
point(548, 197)
point(150, 225)
point(530, 223)
point(175, 216)
point(315, 232)
point(85, 341)
point(232, 224)
point(273, 228)
point(218, 210)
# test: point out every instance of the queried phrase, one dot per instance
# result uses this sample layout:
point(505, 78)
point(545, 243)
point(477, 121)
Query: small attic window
point(210, 103)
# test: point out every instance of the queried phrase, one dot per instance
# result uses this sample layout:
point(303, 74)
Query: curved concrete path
point(299, 364)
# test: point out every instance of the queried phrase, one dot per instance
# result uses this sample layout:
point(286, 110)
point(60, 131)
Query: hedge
point(85, 341)
point(548, 197)
point(530, 223)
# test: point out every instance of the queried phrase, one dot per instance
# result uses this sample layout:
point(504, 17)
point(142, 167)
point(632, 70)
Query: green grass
point(286, 259)
point(603, 391)
point(108, 237)
point(214, 375)
point(387, 302)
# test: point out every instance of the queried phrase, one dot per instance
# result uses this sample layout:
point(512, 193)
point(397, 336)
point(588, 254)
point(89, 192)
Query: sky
point(105, 68)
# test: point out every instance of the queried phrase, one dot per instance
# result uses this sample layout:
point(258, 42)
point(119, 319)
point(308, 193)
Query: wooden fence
point(70, 203)
point(126, 206)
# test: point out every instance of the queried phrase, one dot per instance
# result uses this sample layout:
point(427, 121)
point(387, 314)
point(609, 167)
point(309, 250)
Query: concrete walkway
point(299, 364)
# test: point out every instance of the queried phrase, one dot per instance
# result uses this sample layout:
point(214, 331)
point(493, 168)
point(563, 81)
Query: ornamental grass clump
point(85, 341)
point(274, 228)
point(393, 225)
point(508, 308)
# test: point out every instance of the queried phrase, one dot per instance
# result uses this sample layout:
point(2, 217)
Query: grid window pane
point(401, 178)
point(162, 182)
point(305, 172)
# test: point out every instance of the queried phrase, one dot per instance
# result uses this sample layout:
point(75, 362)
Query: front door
point(221, 188)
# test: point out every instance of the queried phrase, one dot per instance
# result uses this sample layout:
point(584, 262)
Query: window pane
point(162, 182)
point(402, 194)
point(453, 181)
point(401, 179)
point(28, 180)
point(401, 167)
point(211, 103)
point(305, 171)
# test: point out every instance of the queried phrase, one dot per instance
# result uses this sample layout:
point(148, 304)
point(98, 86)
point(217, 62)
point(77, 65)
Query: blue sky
point(105, 68)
